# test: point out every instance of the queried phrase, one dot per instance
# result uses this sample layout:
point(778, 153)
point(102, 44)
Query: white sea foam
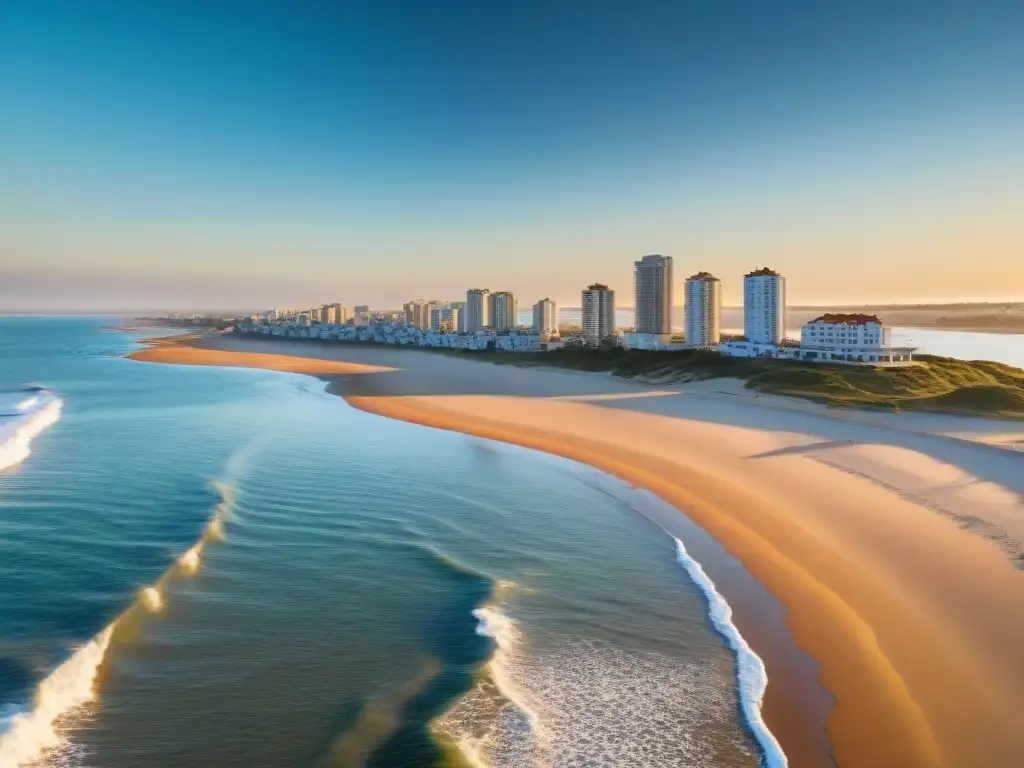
point(189, 561)
point(29, 734)
point(29, 418)
point(578, 702)
point(153, 599)
point(752, 680)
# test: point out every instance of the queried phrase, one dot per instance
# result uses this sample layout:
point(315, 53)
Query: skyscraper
point(477, 310)
point(459, 306)
point(703, 310)
point(652, 287)
point(764, 306)
point(417, 313)
point(504, 310)
point(598, 313)
point(545, 317)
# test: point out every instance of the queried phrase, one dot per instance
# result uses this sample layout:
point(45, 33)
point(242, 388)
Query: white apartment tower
point(703, 310)
point(545, 317)
point(764, 306)
point(652, 288)
point(477, 310)
point(598, 313)
point(504, 311)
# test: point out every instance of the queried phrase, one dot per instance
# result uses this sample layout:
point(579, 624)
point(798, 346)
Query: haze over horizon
point(170, 155)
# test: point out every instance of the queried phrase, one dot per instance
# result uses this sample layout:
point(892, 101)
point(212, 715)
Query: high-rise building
point(504, 311)
point(477, 310)
point(598, 313)
point(764, 306)
point(652, 293)
point(417, 313)
point(335, 314)
point(703, 310)
point(444, 319)
point(362, 309)
point(460, 306)
point(545, 317)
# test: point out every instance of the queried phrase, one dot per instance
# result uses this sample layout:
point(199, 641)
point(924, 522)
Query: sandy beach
point(893, 541)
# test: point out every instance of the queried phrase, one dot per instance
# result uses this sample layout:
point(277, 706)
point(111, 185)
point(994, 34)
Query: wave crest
point(30, 734)
point(751, 677)
point(24, 422)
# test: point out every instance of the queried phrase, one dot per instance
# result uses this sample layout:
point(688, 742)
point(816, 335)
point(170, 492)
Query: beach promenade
point(893, 541)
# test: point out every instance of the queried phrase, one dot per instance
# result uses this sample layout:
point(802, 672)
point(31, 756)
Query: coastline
point(887, 604)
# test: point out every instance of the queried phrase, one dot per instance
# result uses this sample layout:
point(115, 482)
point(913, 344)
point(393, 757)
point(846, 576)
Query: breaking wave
point(23, 416)
point(751, 678)
point(27, 735)
point(572, 701)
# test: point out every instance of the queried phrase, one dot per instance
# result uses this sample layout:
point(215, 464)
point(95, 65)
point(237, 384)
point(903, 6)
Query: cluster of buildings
point(489, 319)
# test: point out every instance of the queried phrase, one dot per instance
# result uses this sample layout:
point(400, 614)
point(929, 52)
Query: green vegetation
point(932, 383)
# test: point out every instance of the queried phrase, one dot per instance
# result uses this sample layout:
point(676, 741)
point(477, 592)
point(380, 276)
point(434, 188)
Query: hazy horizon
point(184, 155)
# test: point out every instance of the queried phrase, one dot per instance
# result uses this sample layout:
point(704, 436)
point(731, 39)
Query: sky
point(185, 155)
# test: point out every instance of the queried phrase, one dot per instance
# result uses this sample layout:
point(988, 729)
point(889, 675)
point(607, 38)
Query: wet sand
point(892, 543)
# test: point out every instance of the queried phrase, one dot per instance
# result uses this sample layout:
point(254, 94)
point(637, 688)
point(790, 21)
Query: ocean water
point(204, 566)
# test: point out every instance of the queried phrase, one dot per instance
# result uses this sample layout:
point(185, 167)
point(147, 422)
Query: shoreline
point(900, 689)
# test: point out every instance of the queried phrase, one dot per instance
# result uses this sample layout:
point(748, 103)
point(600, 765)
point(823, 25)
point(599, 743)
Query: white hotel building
point(703, 311)
point(850, 338)
point(764, 307)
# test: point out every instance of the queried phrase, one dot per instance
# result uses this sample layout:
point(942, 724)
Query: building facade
point(850, 338)
point(478, 316)
point(417, 314)
point(460, 326)
point(764, 306)
point(598, 313)
point(504, 311)
point(703, 311)
point(444, 319)
point(652, 295)
point(545, 317)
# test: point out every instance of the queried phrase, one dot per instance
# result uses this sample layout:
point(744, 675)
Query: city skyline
point(187, 157)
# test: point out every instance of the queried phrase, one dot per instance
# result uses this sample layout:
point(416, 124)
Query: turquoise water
point(229, 567)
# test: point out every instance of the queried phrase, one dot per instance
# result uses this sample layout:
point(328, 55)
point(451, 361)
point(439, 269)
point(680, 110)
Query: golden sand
point(916, 623)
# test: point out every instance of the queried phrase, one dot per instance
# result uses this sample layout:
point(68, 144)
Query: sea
point(228, 567)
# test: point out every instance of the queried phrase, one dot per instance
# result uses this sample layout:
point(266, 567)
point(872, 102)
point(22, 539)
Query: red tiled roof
point(852, 319)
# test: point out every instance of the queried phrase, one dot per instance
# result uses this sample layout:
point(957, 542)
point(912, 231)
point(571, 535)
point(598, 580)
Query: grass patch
point(933, 383)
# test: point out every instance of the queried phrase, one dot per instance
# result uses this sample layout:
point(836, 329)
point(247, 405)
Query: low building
point(850, 338)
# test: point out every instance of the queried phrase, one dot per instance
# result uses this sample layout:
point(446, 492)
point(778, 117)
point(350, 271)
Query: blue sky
point(189, 154)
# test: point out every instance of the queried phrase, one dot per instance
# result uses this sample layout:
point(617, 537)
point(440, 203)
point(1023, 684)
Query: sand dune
point(892, 542)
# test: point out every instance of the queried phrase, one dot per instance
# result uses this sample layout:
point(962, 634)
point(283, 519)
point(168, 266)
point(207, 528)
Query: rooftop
point(763, 272)
point(851, 319)
point(704, 277)
point(597, 287)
